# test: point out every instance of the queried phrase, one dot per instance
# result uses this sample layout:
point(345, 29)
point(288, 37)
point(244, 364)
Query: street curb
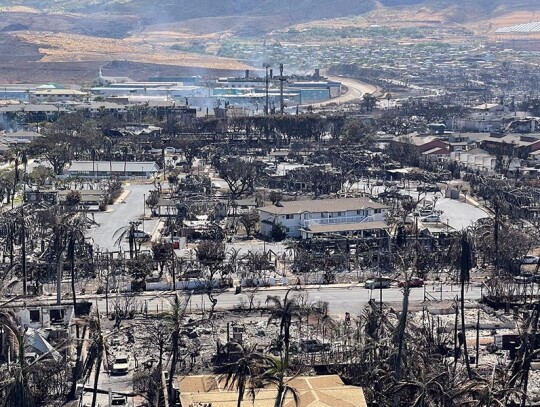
point(122, 196)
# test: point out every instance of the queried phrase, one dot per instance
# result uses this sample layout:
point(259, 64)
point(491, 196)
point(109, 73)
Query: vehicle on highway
point(413, 282)
point(431, 219)
point(121, 365)
point(379, 282)
point(530, 259)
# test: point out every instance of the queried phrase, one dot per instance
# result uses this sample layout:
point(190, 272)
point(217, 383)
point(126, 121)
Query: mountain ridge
point(167, 11)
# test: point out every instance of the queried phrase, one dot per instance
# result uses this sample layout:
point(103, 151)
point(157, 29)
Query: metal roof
point(322, 205)
point(521, 28)
point(117, 166)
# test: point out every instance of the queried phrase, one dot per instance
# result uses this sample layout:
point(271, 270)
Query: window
point(289, 216)
point(34, 315)
point(339, 214)
point(360, 212)
point(57, 315)
point(378, 210)
point(287, 230)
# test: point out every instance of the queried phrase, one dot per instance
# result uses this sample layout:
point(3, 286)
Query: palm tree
point(466, 264)
point(125, 151)
point(93, 153)
point(284, 312)
point(96, 355)
point(108, 146)
point(244, 374)
point(276, 375)
point(17, 157)
point(16, 392)
point(175, 319)
point(129, 232)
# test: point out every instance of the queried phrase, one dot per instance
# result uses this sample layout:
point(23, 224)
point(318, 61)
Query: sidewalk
point(475, 203)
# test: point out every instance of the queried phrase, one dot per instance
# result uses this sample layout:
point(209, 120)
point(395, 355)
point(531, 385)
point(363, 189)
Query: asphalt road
point(355, 90)
point(119, 215)
point(341, 298)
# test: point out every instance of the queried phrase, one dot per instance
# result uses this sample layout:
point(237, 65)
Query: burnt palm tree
point(175, 320)
point(17, 156)
point(129, 232)
point(16, 392)
point(466, 264)
point(96, 355)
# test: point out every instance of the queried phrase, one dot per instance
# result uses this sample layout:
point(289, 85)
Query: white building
point(57, 95)
point(120, 169)
point(324, 217)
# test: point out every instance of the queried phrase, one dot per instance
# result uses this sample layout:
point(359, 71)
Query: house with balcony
point(306, 219)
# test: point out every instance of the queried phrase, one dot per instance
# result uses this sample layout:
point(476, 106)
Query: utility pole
point(281, 80)
point(23, 251)
point(266, 79)
point(380, 277)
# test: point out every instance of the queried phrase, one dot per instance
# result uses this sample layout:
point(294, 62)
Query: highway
point(340, 297)
point(355, 91)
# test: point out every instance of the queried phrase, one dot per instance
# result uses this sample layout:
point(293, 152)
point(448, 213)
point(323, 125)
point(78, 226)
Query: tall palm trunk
point(15, 182)
point(59, 267)
point(465, 349)
point(172, 369)
point(466, 265)
point(496, 235)
point(96, 380)
point(71, 254)
point(401, 338)
point(23, 256)
point(241, 391)
point(280, 393)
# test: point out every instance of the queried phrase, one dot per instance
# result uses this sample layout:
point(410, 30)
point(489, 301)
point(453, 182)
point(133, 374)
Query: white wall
point(44, 315)
point(296, 221)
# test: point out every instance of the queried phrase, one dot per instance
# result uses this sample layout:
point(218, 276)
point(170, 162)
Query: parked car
point(379, 282)
point(428, 188)
point(141, 234)
point(524, 278)
point(530, 259)
point(413, 282)
point(121, 365)
point(431, 219)
point(314, 345)
point(118, 400)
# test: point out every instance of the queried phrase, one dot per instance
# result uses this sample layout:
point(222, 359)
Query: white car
point(120, 365)
point(431, 219)
point(378, 282)
point(530, 260)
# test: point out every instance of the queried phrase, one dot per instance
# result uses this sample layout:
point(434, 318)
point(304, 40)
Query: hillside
point(55, 39)
point(167, 11)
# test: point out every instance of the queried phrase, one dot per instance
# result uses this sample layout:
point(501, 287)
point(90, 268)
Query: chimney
point(317, 73)
point(247, 74)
